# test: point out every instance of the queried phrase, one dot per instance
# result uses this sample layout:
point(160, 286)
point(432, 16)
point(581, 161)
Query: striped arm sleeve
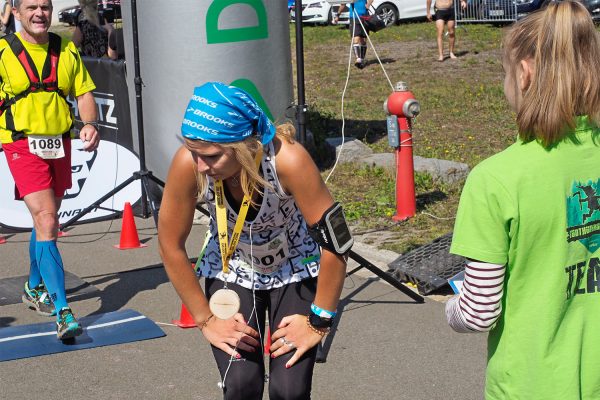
point(478, 306)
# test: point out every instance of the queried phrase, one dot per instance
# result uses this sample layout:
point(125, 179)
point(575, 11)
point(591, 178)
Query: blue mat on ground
point(115, 327)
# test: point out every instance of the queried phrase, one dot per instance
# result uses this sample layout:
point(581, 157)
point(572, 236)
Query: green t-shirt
point(537, 211)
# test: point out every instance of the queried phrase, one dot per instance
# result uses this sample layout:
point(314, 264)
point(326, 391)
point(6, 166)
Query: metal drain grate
point(428, 266)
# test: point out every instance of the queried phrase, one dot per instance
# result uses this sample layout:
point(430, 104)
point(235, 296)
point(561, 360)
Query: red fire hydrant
point(401, 106)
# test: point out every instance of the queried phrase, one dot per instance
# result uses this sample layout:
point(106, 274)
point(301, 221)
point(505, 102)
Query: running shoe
point(38, 299)
point(67, 326)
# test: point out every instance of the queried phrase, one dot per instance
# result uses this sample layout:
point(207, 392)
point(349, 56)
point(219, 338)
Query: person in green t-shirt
point(529, 218)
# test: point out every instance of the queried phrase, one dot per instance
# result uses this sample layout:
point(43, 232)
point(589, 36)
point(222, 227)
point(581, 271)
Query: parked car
point(69, 15)
point(110, 9)
point(506, 11)
point(524, 7)
point(593, 6)
point(503, 10)
point(318, 12)
point(393, 11)
point(390, 11)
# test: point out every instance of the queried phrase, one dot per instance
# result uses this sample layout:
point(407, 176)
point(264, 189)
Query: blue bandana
point(224, 114)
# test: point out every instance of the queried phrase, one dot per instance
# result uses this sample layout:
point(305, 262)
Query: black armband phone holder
point(332, 231)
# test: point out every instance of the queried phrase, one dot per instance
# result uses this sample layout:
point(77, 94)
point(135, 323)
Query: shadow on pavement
point(345, 305)
point(123, 287)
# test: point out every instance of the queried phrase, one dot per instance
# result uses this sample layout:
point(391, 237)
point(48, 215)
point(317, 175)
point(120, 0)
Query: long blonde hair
point(244, 152)
point(565, 49)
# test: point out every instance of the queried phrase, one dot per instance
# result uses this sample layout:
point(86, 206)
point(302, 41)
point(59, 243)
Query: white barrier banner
point(94, 174)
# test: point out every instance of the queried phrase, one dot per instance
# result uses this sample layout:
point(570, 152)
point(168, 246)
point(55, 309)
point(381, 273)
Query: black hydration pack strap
point(47, 82)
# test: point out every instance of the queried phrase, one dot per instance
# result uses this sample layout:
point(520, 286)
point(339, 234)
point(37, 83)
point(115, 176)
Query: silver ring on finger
point(291, 345)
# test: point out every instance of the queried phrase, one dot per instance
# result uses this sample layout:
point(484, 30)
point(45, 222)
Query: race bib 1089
point(47, 147)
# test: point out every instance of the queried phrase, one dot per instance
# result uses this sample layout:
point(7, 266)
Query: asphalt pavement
point(385, 345)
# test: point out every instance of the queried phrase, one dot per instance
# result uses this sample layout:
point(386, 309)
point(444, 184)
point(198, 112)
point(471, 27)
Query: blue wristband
point(322, 313)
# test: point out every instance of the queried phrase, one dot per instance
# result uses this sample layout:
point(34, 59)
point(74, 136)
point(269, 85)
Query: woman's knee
point(296, 390)
point(231, 392)
point(241, 379)
point(243, 386)
point(294, 383)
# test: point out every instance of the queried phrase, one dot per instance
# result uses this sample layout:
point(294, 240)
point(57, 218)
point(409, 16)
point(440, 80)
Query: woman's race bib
point(266, 258)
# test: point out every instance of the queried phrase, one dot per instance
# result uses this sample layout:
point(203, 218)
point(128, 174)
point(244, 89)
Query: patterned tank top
point(274, 248)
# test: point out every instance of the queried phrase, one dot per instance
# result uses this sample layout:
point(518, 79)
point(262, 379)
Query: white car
point(391, 11)
point(318, 12)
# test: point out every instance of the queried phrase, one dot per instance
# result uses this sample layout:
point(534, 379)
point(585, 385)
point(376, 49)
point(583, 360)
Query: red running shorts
point(33, 174)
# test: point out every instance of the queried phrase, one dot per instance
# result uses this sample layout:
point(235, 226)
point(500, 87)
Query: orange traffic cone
point(185, 319)
point(268, 342)
point(129, 236)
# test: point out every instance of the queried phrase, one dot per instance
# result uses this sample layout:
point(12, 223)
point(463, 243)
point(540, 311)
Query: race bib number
point(267, 258)
point(48, 147)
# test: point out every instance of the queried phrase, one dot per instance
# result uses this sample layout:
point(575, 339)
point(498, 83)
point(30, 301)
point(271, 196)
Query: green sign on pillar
point(215, 35)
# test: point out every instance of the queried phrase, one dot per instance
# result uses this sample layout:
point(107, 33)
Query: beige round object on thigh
point(224, 303)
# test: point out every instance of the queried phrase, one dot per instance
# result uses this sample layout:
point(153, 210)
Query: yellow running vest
point(42, 112)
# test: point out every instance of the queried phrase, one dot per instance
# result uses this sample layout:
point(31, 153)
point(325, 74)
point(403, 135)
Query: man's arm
point(336, 16)
point(429, 10)
point(89, 116)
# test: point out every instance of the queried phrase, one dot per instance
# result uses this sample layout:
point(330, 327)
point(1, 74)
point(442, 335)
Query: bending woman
point(272, 270)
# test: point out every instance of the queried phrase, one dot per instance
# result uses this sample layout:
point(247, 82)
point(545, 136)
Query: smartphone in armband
point(332, 231)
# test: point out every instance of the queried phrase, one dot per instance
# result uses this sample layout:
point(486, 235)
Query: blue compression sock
point(34, 272)
point(52, 271)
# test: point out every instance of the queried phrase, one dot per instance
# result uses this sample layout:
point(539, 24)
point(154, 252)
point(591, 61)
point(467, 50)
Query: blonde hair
point(244, 152)
point(565, 49)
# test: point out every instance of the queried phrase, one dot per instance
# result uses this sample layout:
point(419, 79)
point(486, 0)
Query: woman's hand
point(293, 334)
point(231, 335)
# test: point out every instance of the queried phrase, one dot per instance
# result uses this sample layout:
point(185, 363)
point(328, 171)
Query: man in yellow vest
point(38, 70)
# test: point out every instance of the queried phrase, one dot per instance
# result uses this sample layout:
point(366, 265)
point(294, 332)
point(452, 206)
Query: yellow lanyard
point(227, 250)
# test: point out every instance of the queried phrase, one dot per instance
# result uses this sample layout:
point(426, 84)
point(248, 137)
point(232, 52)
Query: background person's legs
point(451, 37)
point(363, 50)
point(439, 25)
point(356, 46)
point(359, 43)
